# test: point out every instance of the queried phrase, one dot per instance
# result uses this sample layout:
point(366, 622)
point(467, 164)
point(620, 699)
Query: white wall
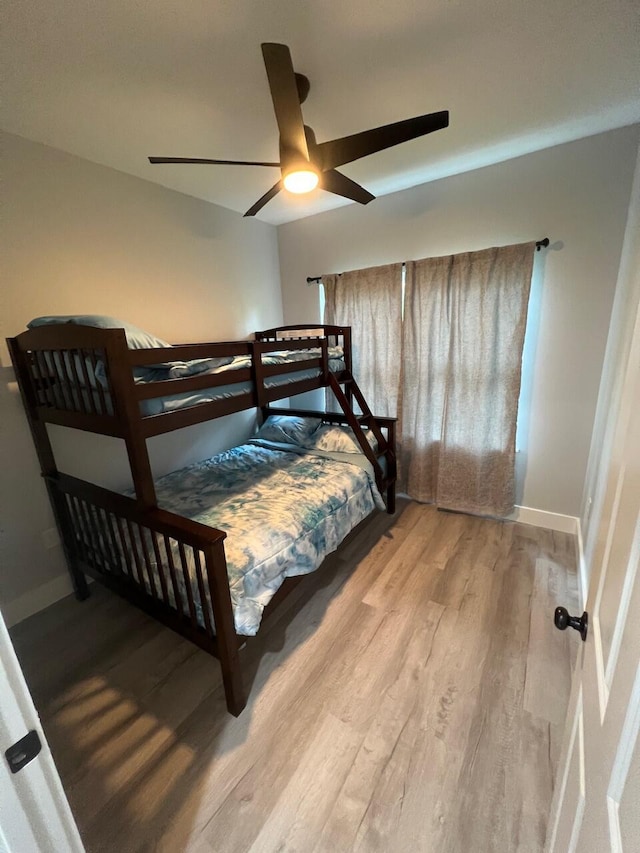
point(577, 194)
point(84, 239)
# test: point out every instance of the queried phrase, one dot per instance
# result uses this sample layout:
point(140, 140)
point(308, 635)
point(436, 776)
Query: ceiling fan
point(304, 163)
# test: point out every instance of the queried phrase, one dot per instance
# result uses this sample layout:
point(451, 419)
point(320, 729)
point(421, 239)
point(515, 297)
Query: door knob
point(563, 621)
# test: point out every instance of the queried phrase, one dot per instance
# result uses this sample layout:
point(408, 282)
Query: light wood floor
point(411, 699)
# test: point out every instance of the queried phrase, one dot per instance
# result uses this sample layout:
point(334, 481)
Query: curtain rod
point(540, 244)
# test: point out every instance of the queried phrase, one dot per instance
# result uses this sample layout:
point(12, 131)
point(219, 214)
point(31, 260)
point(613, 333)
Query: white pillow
point(338, 439)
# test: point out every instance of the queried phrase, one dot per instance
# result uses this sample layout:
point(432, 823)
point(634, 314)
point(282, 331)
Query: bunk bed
point(147, 547)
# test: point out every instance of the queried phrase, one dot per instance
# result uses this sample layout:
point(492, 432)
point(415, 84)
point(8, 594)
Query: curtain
point(463, 334)
point(425, 362)
point(370, 301)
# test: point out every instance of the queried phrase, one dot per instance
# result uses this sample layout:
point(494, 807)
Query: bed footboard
point(169, 566)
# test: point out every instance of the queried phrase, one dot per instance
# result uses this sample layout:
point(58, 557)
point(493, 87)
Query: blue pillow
point(136, 338)
point(288, 429)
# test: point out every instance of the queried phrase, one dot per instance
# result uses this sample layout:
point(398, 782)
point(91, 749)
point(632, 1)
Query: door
point(34, 812)
point(596, 804)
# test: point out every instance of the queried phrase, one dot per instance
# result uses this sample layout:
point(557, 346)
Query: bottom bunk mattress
point(284, 509)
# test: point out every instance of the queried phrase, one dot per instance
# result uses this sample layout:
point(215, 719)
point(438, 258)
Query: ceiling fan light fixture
point(304, 164)
point(301, 181)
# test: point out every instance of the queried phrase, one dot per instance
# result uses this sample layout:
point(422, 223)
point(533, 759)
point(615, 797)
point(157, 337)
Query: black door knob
point(579, 623)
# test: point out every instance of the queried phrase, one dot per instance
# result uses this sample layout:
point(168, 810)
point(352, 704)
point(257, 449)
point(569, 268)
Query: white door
point(597, 797)
point(34, 812)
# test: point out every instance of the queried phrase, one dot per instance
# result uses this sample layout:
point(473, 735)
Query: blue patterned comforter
point(284, 509)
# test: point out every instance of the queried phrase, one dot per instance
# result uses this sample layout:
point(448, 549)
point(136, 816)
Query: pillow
point(136, 338)
point(288, 429)
point(338, 439)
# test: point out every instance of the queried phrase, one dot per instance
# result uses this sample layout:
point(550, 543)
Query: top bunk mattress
point(159, 405)
point(187, 399)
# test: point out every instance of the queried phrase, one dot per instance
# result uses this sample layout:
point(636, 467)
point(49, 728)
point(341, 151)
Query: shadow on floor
point(135, 714)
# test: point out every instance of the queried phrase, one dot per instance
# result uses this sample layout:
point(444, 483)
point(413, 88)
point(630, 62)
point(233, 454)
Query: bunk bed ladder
point(344, 398)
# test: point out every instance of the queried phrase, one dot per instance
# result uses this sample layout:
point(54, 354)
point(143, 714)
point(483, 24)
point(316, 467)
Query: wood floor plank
point(548, 653)
point(449, 528)
point(487, 766)
point(449, 712)
point(244, 810)
point(409, 696)
point(398, 705)
point(305, 801)
point(397, 563)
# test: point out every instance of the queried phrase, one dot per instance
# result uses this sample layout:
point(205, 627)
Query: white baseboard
point(37, 599)
point(543, 518)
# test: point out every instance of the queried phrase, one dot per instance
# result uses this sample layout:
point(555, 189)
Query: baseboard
point(549, 520)
point(37, 599)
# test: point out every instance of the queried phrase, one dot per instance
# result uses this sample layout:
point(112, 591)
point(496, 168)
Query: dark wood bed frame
point(116, 539)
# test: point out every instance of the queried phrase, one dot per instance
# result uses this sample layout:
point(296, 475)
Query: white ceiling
point(116, 80)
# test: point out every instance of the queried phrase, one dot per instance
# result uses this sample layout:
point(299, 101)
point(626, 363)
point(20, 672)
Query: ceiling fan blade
point(275, 189)
point(337, 152)
point(339, 184)
point(214, 162)
point(286, 100)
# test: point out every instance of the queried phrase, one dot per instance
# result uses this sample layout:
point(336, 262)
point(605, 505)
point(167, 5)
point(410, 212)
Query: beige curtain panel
point(370, 301)
point(463, 333)
point(425, 364)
